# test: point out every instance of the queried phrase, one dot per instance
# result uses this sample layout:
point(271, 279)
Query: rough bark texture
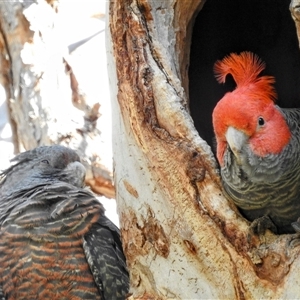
point(45, 102)
point(182, 238)
point(295, 12)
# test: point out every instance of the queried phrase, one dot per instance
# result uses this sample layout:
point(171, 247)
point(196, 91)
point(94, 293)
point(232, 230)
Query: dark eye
point(261, 121)
point(45, 161)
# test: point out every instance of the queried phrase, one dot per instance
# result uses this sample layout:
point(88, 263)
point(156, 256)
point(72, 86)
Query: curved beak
point(236, 139)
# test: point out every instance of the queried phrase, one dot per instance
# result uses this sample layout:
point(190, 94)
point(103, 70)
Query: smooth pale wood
point(45, 103)
point(182, 238)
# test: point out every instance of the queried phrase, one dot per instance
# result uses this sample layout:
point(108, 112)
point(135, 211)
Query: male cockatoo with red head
point(258, 146)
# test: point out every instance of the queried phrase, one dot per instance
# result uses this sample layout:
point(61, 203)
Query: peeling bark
point(45, 101)
point(182, 238)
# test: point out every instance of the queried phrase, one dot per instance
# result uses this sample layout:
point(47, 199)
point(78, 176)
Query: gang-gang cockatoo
point(55, 240)
point(258, 146)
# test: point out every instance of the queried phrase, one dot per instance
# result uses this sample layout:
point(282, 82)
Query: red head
point(250, 107)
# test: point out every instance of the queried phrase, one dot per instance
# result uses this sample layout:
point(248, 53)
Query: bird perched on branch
point(55, 241)
point(258, 146)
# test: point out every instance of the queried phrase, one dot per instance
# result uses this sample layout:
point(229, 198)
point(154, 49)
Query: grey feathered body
point(267, 185)
point(55, 241)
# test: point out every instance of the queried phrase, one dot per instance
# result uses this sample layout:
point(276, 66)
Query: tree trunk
point(182, 238)
point(295, 12)
point(47, 105)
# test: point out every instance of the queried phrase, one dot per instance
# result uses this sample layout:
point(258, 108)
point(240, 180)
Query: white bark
point(47, 103)
point(182, 238)
point(295, 12)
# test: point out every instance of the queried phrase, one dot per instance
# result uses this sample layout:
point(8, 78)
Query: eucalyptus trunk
point(182, 238)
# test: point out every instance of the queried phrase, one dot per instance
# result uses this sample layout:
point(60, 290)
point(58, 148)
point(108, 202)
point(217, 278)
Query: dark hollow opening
point(264, 27)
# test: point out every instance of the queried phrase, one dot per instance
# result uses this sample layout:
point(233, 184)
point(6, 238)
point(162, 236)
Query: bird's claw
point(260, 225)
point(296, 225)
point(295, 238)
